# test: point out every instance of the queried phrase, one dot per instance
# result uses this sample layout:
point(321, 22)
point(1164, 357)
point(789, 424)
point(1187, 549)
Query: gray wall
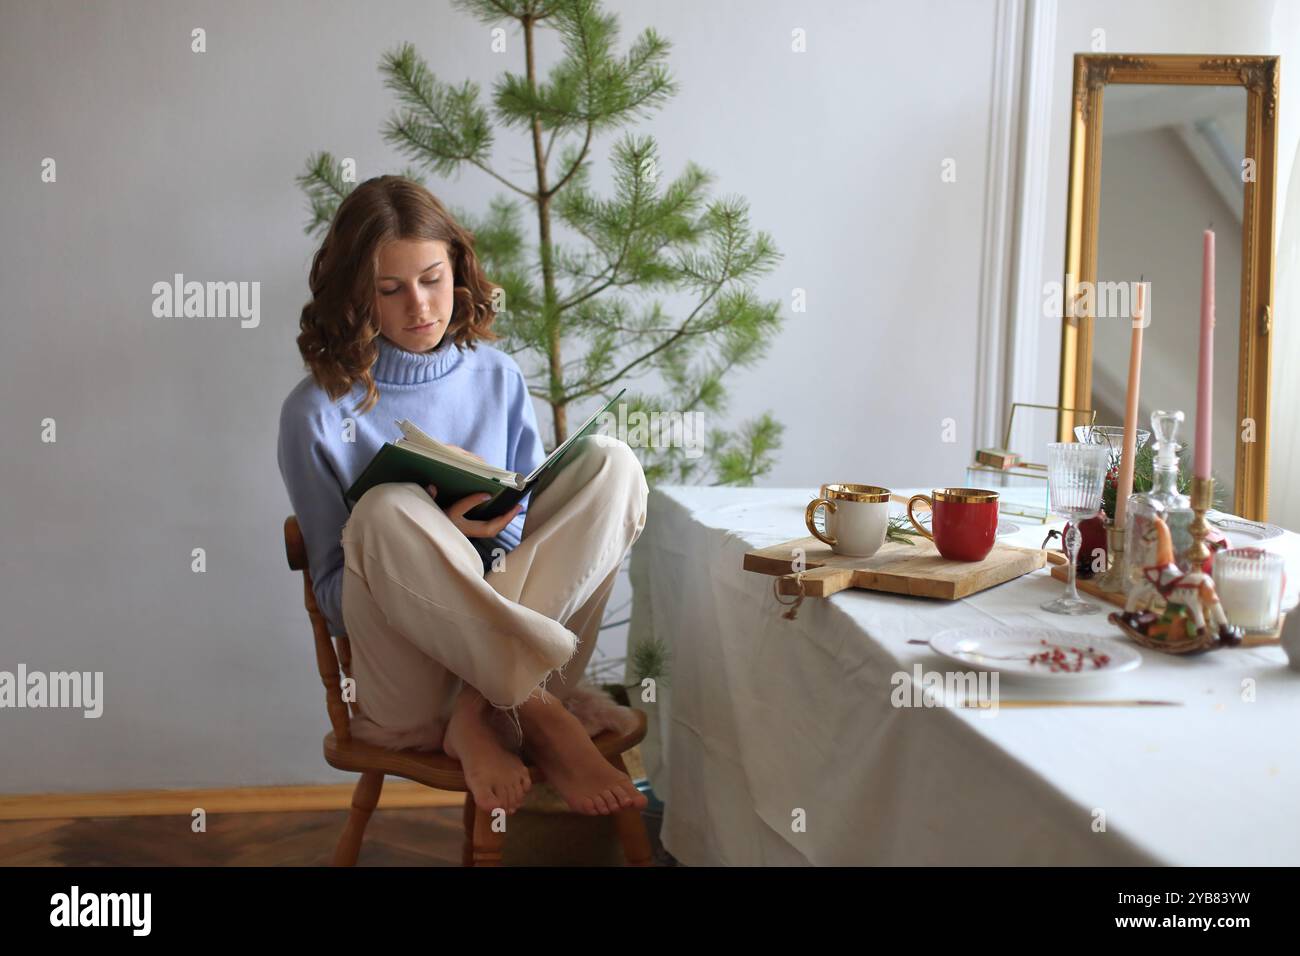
point(172, 162)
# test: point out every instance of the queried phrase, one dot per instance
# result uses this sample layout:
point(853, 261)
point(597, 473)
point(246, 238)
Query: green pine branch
point(325, 186)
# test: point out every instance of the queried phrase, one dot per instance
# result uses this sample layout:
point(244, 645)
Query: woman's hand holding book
point(470, 528)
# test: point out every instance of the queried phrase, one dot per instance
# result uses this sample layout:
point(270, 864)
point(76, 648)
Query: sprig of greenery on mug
point(900, 530)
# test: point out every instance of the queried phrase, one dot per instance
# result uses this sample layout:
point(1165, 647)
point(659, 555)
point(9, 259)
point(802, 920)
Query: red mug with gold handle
point(964, 521)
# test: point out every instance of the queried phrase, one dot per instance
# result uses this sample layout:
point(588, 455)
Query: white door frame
point(1011, 270)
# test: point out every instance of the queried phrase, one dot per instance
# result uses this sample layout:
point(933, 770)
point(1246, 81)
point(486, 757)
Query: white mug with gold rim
point(857, 518)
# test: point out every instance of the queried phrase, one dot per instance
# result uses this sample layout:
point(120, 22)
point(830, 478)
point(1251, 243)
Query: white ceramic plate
point(1241, 532)
point(1009, 651)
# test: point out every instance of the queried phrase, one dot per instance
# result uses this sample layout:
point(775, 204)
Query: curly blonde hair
point(338, 331)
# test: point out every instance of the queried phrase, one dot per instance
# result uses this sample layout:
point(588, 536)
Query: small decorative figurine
point(1189, 600)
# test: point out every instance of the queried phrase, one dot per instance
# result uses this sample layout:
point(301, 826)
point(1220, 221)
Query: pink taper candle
point(1129, 452)
point(1205, 377)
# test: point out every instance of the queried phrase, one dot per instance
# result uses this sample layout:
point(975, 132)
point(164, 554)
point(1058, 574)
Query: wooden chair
point(482, 845)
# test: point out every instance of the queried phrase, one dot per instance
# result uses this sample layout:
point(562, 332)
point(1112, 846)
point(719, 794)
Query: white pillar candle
point(1248, 582)
point(1249, 603)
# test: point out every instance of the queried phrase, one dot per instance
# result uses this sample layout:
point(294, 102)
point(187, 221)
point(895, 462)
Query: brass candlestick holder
point(1202, 499)
point(1114, 578)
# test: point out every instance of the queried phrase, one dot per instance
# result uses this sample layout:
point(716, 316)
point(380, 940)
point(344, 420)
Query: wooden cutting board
point(916, 569)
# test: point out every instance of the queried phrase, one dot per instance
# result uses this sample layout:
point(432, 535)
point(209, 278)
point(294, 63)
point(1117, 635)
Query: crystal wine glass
point(1112, 436)
point(1076, 474)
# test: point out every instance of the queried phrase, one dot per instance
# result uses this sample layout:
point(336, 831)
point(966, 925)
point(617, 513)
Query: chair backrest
point(327, 661)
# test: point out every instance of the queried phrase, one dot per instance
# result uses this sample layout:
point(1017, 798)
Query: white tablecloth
point(774, 741)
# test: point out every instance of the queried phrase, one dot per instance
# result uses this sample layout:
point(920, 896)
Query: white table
point(764, 722)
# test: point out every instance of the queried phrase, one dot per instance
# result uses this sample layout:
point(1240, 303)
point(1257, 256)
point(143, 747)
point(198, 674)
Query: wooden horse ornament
point(1192, 619)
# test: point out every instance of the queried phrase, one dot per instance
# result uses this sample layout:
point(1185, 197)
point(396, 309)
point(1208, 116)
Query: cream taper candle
point(1128, 453)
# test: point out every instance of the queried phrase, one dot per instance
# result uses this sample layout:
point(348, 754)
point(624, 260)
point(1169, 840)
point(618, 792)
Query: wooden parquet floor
point(398, 837)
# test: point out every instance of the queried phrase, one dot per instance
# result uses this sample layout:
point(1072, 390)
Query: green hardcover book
point(427, 461)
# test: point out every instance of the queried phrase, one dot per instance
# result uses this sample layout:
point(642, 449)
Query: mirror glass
point(1171, 167)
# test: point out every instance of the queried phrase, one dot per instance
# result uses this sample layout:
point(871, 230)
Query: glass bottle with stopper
point(1163, 500)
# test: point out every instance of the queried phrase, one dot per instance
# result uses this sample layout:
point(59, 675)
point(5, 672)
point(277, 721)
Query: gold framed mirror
point(1190, 143)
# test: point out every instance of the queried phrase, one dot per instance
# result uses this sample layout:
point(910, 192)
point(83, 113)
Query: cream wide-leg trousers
point(422, 616)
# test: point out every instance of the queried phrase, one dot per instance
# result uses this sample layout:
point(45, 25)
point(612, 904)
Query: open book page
point(420, 443)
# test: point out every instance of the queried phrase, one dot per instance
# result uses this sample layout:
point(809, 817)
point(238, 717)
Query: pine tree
point(600, 268)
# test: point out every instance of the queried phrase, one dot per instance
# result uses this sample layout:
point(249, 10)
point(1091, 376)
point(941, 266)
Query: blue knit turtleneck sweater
point(475, 398)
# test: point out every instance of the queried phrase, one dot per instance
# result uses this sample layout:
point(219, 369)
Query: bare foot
point(495, 776)
point(556, 741)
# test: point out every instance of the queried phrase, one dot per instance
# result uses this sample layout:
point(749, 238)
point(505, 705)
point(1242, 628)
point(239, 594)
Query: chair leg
point(467, 853)
point(487, 842)
point(364, 799)
point(630, 827)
